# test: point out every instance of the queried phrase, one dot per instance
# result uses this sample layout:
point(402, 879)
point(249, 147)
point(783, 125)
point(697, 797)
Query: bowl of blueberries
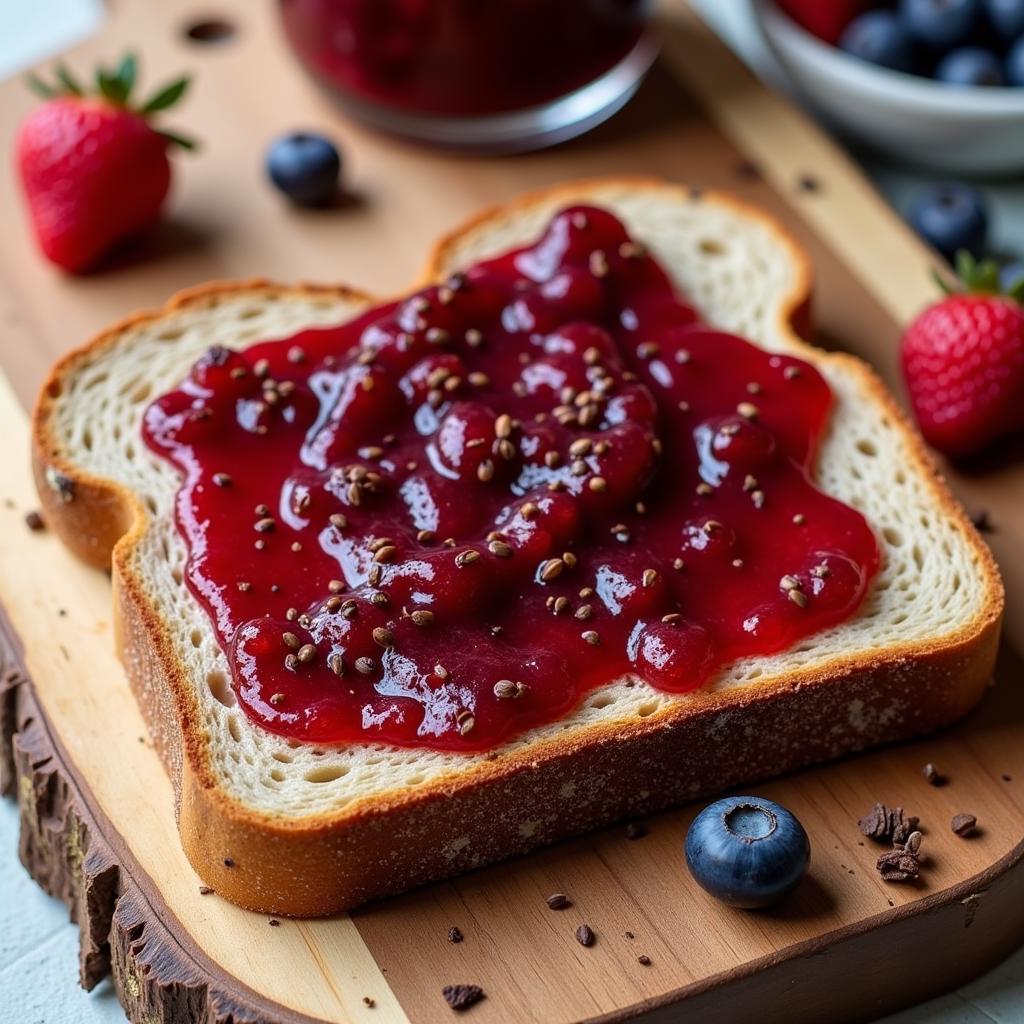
point(938, 83)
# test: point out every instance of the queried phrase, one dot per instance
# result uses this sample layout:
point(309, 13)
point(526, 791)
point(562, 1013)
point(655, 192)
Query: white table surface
point(39, 948)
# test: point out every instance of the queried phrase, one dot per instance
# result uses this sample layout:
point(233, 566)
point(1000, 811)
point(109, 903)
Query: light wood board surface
point(700, 118)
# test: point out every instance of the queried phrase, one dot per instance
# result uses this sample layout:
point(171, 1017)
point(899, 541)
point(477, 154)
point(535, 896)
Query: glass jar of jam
point(475, 74)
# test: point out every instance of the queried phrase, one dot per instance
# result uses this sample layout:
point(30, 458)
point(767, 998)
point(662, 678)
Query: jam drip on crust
point(446, 521)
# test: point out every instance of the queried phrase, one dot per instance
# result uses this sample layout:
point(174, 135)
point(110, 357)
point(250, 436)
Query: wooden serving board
point(97, 813)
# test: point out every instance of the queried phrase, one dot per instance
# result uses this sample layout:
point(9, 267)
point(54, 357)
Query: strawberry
point(93, 168)
point(824, 20)
point(963, 361)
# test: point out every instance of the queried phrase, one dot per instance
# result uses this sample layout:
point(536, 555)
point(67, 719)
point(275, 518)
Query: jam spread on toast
point(446, 521)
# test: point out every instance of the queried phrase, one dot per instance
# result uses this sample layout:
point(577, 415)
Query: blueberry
point(1015, 63)
point(970, 65)
point(1011, 276)
point(305, 167)
point(747, 851)
point(879, 38)
point(939, 24)
point(1006, 17)
point(950, 216)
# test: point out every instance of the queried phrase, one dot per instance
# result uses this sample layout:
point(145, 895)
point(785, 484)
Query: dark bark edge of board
point(125, 929)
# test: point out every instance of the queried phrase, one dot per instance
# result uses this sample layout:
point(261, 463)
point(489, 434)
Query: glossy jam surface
point(461, 57)
point(446, 521)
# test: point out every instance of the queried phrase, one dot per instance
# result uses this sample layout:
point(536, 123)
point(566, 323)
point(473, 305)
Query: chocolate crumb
point(964, 825)
point(888, 824)
point(644, 959)
point(901, 863)
point(34, 521)
point(369, 1001)
point(933, 775)
point(228, 862)
point(808, 183)
point(630, 935)
point(1006, 778)
point(558, 901)
point(585, 935)
point(636, 830)
point(274, 923)
point(461, 997)
point(981, 521)
point(454, 934)
point(205, 890)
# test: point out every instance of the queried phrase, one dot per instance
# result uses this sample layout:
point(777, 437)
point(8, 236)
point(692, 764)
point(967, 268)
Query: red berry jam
point(461, 57)
point(446, 521)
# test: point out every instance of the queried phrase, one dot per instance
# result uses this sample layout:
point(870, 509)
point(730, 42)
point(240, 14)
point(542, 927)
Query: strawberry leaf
point(987, 279)
point(39, 87)
point(126, 74)
point(68, 80)
point(964, 265)
point(165, 97)
point(184, 141)
point(110, 86)
point(941, 281)
point(978, 277)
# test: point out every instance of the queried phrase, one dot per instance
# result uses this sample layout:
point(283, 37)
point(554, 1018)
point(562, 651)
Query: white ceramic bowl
point(971, 130)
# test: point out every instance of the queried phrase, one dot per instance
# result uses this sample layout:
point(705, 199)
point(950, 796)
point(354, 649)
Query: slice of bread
point(293, 829)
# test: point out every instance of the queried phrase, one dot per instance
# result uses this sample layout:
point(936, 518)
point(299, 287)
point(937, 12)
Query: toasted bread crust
point(552, 789)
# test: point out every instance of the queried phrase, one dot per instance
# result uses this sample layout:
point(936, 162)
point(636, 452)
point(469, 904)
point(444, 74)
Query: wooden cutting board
point(97, 813)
